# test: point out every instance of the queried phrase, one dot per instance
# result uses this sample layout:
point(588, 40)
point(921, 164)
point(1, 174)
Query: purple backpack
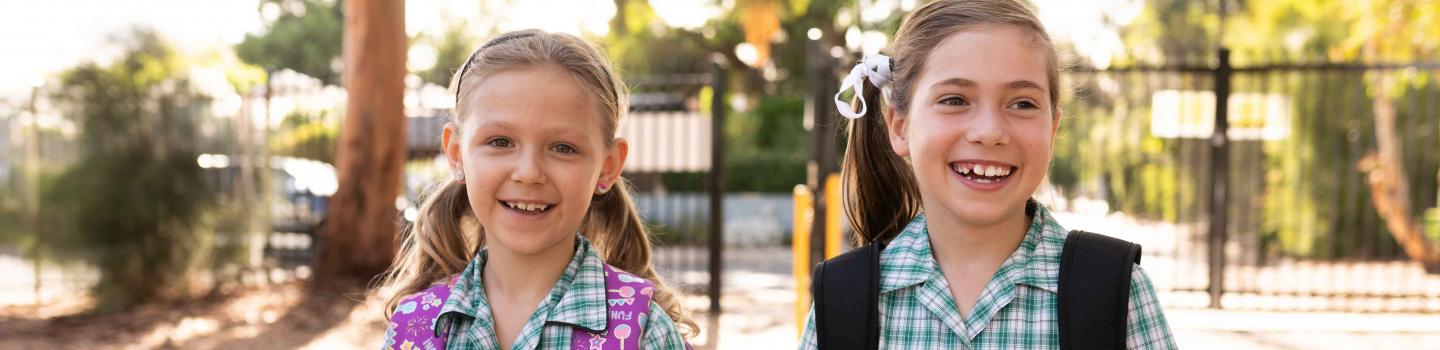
point(626, 294)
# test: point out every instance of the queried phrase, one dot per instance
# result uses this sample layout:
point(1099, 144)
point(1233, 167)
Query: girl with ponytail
point(535, 242)
point(949, 137)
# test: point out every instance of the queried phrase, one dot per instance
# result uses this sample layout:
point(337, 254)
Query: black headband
point(503, 38)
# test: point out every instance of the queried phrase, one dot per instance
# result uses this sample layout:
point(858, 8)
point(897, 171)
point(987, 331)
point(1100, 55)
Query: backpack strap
point(847, 299)
point(414, 318)
point(627, 302)
point(1094, 290)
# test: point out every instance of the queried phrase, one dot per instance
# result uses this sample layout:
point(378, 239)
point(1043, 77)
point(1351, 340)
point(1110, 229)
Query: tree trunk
point(359, 234)
point(1389, 186)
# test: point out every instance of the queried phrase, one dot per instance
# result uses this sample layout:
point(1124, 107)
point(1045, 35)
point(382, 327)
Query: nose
point(989, 127)
point(528, 169)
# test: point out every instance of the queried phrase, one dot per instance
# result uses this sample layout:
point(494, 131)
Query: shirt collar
point(581, 301)
point(909, 259)
point(578, 297)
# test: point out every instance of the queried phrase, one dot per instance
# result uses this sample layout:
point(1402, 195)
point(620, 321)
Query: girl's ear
point(895, 124)
point(614, 163)
point(450, 142)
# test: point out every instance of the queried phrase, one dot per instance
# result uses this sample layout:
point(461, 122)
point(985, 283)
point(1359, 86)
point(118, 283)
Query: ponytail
point(881, 196)
point(614, 227)
point(434, 247)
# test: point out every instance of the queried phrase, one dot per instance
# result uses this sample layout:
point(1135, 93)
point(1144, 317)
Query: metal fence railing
point(1281, 211)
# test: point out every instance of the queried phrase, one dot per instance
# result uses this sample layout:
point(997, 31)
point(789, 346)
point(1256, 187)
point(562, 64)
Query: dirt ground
point(275, 317)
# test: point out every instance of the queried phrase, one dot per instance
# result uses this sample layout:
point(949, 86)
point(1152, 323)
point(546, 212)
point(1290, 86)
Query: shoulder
point(428, 299)
point(1147, 327)
point(413, 320)
point(616, 275)
point(1142, 292)
point(660, 330)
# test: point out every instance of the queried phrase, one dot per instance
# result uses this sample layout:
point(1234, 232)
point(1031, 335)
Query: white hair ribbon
point(874, 67)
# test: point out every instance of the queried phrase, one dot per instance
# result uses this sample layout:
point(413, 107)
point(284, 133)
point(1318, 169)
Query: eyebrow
point(505, 126)
point(1014, 85)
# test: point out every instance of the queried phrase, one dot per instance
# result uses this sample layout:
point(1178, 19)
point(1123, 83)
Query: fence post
point(800, 253)
point(1219, 178)
point(833, 208)
point(821, 122)
point(717, 183)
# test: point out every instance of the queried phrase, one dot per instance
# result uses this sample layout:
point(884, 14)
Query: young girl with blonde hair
point(535, 243)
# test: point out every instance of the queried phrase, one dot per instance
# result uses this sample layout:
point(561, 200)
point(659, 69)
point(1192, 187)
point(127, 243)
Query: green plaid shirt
point(1016, 310)
point(578, 299)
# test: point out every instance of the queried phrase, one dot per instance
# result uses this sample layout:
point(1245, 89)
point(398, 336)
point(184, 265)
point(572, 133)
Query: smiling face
point(532, 150)
point(979, 127)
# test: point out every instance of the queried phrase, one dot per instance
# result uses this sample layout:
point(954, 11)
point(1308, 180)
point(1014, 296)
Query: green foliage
point(1175, 31)
point(131, 203)
point(305, 37)
point(451, 50)
point(766, 149)
point(1104, 149)
point(1431, 224)
point(307, 135)
point(768, 146)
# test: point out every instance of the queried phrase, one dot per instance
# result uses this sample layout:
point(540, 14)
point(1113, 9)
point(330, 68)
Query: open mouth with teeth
point(528, 208)
point(983, 173)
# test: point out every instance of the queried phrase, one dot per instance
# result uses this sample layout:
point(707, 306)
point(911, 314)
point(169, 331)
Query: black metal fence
point(675, 167)
point(1253, 186)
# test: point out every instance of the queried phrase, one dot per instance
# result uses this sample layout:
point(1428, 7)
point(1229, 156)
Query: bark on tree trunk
point(1389, 186)
point(359, 234)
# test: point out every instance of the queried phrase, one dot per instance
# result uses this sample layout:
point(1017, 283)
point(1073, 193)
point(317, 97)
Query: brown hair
point(446, 236)
point(881, 195)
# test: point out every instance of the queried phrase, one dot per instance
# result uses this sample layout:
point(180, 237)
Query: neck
point(526, 276)
point(959, 243)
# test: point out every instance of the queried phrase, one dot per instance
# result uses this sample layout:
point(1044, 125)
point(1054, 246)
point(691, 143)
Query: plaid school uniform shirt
point(1016, 310)
point(578, 299)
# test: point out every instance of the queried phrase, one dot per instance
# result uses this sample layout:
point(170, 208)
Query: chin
point(984, 213)
point(529, 242)
point(981, 214)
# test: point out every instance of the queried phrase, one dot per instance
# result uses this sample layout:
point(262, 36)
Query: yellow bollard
point(833, 210)
point(800, 254)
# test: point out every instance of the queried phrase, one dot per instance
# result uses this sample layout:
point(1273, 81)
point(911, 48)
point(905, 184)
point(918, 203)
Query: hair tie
point(875, 67)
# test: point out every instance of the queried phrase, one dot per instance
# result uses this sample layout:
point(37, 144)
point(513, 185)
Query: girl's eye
point(1026, 104)
point(564, 148)
point(954, 101)
point(500, 142)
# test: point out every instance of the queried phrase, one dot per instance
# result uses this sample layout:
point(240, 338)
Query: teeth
point(983, 170)
point(527, 206)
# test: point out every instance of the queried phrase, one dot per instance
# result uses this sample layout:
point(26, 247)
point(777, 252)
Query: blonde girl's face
point(532, 151)
point(980, 125)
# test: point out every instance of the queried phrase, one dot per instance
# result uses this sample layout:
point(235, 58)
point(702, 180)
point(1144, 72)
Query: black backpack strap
point(1094, 295)
point(847, 300)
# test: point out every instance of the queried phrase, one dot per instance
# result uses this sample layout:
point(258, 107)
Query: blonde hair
point(881, 195)
point(446, 236)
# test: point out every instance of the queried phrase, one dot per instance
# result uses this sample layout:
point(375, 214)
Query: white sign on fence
point(1191, 114)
